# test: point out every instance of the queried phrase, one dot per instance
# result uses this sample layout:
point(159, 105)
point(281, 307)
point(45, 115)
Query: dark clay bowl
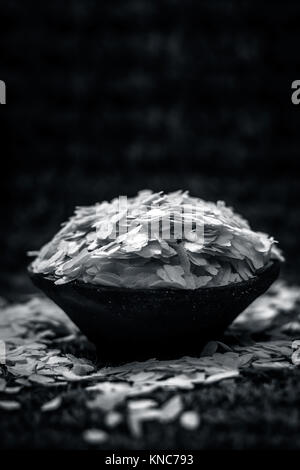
point(134, 324)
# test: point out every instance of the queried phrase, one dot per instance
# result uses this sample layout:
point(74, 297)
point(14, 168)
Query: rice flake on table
point(37, 332)
point(87, 248)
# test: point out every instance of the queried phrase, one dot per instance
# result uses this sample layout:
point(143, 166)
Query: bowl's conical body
point(132, 324)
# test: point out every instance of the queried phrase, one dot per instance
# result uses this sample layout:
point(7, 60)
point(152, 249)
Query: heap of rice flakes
point(224, 250)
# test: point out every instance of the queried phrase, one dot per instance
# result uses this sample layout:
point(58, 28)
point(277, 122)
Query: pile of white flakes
point(157, 241)
point(34, 334)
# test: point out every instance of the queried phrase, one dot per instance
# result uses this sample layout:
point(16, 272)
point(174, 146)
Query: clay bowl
point(134, 324)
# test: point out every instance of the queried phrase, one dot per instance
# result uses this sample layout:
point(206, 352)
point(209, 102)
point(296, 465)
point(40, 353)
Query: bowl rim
point(272, 265)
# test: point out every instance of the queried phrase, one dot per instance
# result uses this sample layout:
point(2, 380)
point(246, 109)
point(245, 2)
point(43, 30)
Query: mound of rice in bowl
point(156, 240)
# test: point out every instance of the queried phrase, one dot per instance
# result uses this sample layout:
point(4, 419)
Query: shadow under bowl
point(136, 324)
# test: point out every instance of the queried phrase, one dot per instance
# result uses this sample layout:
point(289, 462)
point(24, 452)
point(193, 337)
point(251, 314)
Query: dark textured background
point(105, 98)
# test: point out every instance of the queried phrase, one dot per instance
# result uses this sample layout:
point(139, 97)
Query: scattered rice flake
point(222, 376)
point(95, 436)
point(52, 405)
point(9, 405)
point(141, 404)
point(113, 419)
point(190, 420)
